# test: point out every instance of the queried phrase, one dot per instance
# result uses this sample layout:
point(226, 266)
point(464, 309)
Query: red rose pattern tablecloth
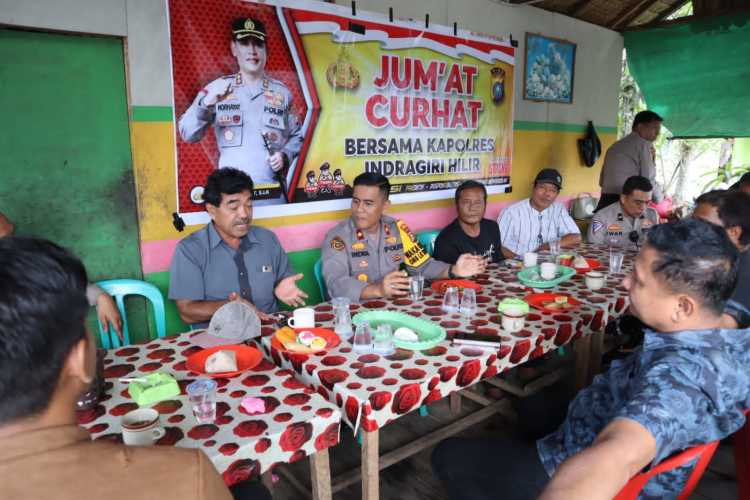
point(297, 421)
point(373, 390)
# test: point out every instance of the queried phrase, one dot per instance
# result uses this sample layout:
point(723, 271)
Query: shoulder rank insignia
point(338, 244)
point(362, 277)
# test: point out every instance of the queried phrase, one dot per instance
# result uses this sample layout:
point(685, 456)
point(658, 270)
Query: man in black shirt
point(470, 232)
point(731, 210)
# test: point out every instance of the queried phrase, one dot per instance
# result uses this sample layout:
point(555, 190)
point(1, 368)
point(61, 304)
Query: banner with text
point(303, 96)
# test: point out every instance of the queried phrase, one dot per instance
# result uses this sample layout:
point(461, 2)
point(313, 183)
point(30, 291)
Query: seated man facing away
point(625, 224)
point(361, 256)
point(731, 210)
point(528, 225)
point(48, 360)
point(229, 259)
point(106, 309)
point(470, 232)
point(687, 385)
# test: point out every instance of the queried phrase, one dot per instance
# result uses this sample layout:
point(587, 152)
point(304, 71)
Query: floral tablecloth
point(373, 390)
point(297, 422)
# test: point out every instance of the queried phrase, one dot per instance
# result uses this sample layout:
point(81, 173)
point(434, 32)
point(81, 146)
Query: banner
point(304, 96)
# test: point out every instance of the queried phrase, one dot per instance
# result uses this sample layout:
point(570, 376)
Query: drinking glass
point(343, 319)
point(383, 344)
point(450, 300)
point(554, 247)
point(202, 397)
point(469, 303)
point(362, 338)
point(615, 260)
point(416, 286)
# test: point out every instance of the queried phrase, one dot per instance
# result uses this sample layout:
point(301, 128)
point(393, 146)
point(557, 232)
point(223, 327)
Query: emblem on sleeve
point(338, 244)
point(362, 277)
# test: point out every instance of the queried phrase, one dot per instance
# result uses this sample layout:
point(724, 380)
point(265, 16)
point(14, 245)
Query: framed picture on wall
point(549, 68)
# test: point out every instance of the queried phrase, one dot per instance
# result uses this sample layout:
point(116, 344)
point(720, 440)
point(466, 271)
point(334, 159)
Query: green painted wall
point(302, 262)
point(66, 171)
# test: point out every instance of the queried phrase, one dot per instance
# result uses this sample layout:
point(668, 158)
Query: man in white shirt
point(529, 225)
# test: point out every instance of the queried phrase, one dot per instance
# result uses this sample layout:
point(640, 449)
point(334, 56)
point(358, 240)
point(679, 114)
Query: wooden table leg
point(370, 465)
point(320, 473)
point(455, 402)
point(267, 479)
point(583, 353)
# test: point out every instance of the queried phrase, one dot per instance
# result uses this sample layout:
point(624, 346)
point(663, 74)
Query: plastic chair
point(741, 443)
point(318, 271)
point(119, 289)
point(427, 239)
point(702, 453)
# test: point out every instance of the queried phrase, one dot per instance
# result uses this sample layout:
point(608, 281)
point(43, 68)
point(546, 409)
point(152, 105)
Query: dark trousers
point(606, 200)
point(476, 469)
point(250, 490)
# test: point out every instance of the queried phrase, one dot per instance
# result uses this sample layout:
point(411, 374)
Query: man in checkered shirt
point(529, 225)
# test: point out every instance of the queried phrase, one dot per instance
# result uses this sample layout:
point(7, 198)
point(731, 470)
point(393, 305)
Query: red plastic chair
point(742, 459)
point(703, 453)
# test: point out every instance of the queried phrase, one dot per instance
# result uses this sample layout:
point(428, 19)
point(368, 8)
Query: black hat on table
point(247, 27)
point(549, 175)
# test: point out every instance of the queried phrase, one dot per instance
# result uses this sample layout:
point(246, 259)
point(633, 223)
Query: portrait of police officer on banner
point(251, 113)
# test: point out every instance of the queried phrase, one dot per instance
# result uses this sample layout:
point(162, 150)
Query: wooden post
point(583, 352)
point(455, 402)
point(320, 475)
point(370, 465)
point(267, 479)
point(596, 351)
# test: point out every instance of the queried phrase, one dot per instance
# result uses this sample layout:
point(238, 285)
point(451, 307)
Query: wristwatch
point(450, 272)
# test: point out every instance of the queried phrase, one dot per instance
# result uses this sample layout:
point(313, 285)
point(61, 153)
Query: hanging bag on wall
point(590, 146)
point(582, 207)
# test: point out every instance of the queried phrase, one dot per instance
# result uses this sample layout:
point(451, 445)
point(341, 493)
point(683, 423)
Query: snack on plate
point(406, 334)
point(580, 263)
point(560, 303)
point(318, 344)
point(221, 361)
point(286, 335)
point(306, 337)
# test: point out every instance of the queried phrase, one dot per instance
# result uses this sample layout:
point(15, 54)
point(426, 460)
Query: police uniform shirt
point(523, 228)
point(612, 226)
point(204, 268)
point(629, 156)
point(240, 119)
point(352, 259)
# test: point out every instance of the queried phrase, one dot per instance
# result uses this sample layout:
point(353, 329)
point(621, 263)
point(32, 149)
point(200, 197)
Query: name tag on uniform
point(266, 269)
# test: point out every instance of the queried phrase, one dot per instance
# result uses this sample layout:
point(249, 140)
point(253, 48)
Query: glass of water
point(383, 343)
point(416, 286)
point(202, 397)
point(450, 300)
point(615, 260)
point(469, 303)
point(554, 247)
point(363, 338)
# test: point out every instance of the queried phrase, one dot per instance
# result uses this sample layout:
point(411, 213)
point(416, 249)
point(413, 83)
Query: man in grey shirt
point(229, 259)
point(631, 155)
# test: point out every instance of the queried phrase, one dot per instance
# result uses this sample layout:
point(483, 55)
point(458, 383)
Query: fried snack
point(286, 335)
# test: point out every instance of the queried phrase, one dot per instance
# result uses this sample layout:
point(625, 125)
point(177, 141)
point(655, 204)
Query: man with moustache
point(229, 259)
point(256, 130)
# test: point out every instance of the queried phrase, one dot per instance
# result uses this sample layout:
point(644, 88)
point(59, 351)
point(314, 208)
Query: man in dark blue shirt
point(687, 385)
point(470, 232)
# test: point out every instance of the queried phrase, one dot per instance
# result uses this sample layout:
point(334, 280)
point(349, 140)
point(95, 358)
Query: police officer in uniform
point(256, 131)
point(625, 224)
point(362, 255)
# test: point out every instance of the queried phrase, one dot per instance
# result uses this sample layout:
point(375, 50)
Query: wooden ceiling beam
point(577, 7)
point(674, 7)
point(629, 18)
point(626, 12)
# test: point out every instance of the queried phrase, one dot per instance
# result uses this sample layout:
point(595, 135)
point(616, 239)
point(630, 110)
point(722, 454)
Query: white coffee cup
point(594, 280)
point(513, 320)
point(548, 270)
point(304, 317)
point(141, 427)
point(529, 259)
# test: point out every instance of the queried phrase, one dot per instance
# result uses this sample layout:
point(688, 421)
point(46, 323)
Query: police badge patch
point(596, 225)
point(338, 244)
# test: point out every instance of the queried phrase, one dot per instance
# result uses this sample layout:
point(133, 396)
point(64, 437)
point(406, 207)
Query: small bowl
point(594, 280)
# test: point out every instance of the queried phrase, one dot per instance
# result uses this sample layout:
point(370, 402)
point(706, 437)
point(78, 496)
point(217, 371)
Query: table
point(374, 390)
point(297, 422)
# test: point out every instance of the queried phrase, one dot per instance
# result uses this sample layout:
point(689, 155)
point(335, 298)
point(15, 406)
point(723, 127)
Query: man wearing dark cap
point(256, 130)
point(529, 225)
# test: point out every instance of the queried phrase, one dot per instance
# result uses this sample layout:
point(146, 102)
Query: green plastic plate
point(530, 277)
point(430, 334)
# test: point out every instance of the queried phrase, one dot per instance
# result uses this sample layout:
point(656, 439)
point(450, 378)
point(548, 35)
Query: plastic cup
point(343, 319)
point(362, 338)
point(554, 247)
point(383, 344)
point(529, 259)
point(615, 260)
point(416, 286)
point(202, 397)
point(450, 300)
point(469, 303)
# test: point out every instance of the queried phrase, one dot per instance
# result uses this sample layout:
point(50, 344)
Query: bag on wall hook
point(590, 146)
